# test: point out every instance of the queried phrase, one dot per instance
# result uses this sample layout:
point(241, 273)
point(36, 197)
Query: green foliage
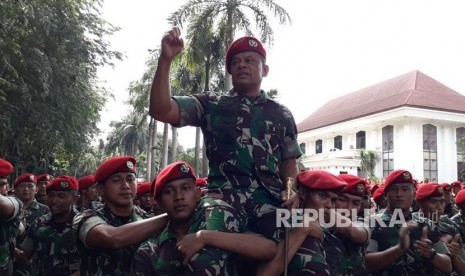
point(49, 100)
point(368, 161)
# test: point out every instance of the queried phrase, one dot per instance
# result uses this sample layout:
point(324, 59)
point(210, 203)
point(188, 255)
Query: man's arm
point(107, 236)
point(162, 107)
point(9, 207)
point(355, 232)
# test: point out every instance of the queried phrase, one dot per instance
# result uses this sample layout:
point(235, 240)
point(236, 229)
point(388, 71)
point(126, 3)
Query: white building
point(411, 121)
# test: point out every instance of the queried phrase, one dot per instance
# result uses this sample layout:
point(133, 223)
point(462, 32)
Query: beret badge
point(64, 184)
point(184, 168)
point(130, 165)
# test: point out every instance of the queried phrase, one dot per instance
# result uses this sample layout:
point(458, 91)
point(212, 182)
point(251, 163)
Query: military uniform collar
point(166, 234)
point(34, 205)
point(260, 99)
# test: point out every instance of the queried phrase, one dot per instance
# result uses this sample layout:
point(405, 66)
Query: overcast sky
point(332, 47)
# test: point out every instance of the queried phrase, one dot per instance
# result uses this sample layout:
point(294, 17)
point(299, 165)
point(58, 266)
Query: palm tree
point(228, 16)
point(128, 136)
point(368, 161)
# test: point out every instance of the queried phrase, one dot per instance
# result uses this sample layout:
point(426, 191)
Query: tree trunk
point(174, 144)
point(204, 161)
point(151, 149)
point(164, 152)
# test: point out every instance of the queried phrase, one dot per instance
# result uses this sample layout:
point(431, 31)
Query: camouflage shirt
point(245, 139)
point(93, 205)
point(355, 253)
point(55, 246)
point(459, 221)
point(158, 255)
point(336, 254)
point(34, 211)
point(411, 263)
point(9, 229)
point(102, 261)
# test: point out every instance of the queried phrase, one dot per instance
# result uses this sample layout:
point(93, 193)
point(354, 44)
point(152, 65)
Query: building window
point(388, 150)
point(360, 140)
point(319, 146)
point(302, 147)
point(460, 138)
point(338, 142)
point(430, 153)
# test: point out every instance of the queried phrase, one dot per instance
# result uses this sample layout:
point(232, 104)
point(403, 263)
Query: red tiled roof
point(413, 89)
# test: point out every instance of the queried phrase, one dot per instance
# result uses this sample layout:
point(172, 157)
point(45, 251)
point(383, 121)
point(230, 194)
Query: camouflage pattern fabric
point(355, 253)
point(55, 246)
point(310, 259)
point(93, 205)
point(336, 254)
point(102, 261)
point(459, 221)
point(246, 140)
point(9, 229)
point(411, 263)
point(158, 255)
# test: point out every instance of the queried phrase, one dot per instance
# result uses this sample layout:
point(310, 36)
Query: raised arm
point(162, 107)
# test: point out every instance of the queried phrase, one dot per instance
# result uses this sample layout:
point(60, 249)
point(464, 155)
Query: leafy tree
point(368, 161)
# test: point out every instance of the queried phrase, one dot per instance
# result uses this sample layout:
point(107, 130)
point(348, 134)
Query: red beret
point(243, 44)
point(398, 176)
point(86, 181)
point(446, 187)
point(201, 182)
point(63, 183)
point(356, 185)
point(321, 180)
point(456, 183)
point(44, 177)
point(143, 188)
point(115, 165)
point(5, 168)
point(26, 177)
point(379, 192)
point(460, 197)
point(429, 190)
point(174, 171)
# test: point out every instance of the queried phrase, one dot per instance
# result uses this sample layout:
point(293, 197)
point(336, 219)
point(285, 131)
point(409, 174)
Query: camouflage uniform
point(93, 205)
point(411, 263)
point(158, 255)
point(55, 246)
point(246, 142)
point(459, 221)
point(336, 254)
point(355, 253)
point(310, 259)
point(9, 229)
point(34, 211)
point(102, 261)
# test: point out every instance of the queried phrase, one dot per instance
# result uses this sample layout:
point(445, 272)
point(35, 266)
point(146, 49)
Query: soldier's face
point(179, 199)
point(432, 207)
point(91, 193)
point(41, 187)
point(26, 191)
point(120, 189)
point(60, 202)
point(400, 195)
point(3, 186)
point(349, 202)
point(248, 70)
point(146, 201)
point(321, 200)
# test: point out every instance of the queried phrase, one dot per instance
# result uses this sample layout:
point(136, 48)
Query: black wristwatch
point(433, 255)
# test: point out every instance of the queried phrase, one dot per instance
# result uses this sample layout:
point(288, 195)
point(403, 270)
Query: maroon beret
point(44, 177)
point(86, 181)
point(143, 188)
point(114, 165)
point(456, 184)
point(243, 44)
point(321, 180)
point(5, 168)
point(26, 177)
point(446, 187)
point(174, 171)
point(63, 183)
point(429, 190)
point(201, 182)
point(398, 176)
point(355, 185)
point(378, 192)
point(460, 197)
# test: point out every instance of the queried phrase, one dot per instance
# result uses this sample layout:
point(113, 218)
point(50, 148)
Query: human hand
point(424, 245)
point(454, 246)
point(191, 244)
point(171, 44)
point(404, 238)
point(290, 202)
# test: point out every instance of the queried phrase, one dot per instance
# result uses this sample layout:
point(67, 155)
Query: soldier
point(459, 219)
point(399, 246)
point(5, 170)
point(250, 139)
point(88, 194)
point(380, 199)
point(173, 251)
point(25, 189)
point(350, 200)
point(450, 208)
point(10, 219)
point(145, 198)
point(456, 186)
point(51, 237)
point(455, 247)
point(318, 191)
point(109, 235)
point(42, 181)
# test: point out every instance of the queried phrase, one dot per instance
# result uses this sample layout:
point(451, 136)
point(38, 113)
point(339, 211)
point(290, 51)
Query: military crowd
point(246, 218)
